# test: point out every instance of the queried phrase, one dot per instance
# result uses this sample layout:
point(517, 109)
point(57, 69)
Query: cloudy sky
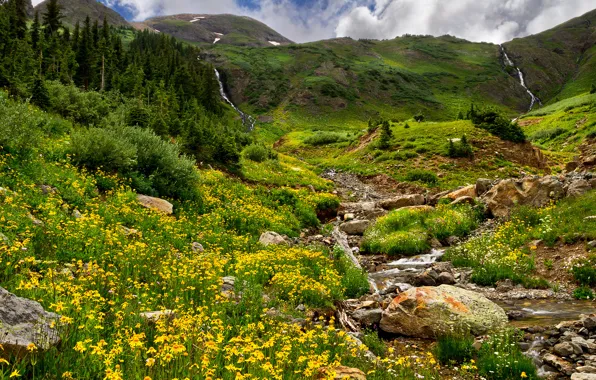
point(308, 20)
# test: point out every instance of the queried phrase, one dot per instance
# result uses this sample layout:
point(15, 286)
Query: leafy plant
point(259, 153)
point(583, 293)
point(454, 349)
point(424, 176)
point(490, 120)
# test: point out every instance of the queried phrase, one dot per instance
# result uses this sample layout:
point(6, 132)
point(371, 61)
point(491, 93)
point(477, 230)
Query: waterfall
point(522, 81)
point(247, 120)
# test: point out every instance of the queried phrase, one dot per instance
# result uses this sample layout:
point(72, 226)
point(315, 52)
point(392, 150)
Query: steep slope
point(398, 78)
point(560, 62)
point(221, 29)
point(77, 10)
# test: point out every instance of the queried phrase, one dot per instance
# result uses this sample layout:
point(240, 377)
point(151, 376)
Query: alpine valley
point(196, 196)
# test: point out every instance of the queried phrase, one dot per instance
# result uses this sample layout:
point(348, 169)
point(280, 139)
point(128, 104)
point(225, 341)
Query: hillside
point(560, 62)
point(220, 29)
point(77, 10)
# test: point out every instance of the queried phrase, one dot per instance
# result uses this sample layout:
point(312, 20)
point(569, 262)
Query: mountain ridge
point(77, 10)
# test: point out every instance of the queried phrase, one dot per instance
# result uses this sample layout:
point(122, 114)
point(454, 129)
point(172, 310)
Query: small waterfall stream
point(247, 120)
point(522, 81)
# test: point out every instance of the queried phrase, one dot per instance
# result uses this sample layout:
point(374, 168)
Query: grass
point(408, 232)
point(454, 349)
point(505, 253)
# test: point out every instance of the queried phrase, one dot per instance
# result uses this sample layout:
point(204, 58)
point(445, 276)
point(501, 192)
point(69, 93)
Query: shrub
point(424, 176)
point(259, 153)
point(547, 134)
point(584, 271)
point(97, 148)
point(490, 120)
point(353, 280)
point(593, 89)
point(500, 358)
point(374, 343)
point(419, 117)
point(461, 148)
point(454, 349)
point(583, 293)
point(325, 138)
point(83, 107)
point(20, 127)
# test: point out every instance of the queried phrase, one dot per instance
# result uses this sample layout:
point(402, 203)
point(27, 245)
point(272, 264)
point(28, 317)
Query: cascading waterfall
point(522, 81)
point(247, 120)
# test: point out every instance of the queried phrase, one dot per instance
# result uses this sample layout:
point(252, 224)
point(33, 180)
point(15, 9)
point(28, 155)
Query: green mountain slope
point(560, 62)
point(77, 10)
point(225, 29)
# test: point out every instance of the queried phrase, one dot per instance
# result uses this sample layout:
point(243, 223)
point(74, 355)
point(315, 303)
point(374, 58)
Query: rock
point(563, 349)
point(435, 243)
point(531, 191)
point(586, 369)
point(197, 247)
point(578, 187)
point(301, 308)
point(590, 161)
point(23, 322)
point(155, 204)
point(483, 185)
point(128, 231)
point(445, 278)
point(583, 376)
point(4, 238)
point(468, 191)
point(77, 214)
point(272, 238)
point(504, 286)
point(592, 244)
point(453, 240)
point(464, 200)
point(427, 278)
point(349, 216)
point(355, 227)
point(403, 201)
point(571, 166)
point(36, 222)
point(589, 323)
point(584, 345)
point(228, 283)
point(368, 317)
point(154, 316)
point(428, 312)
point(558, 363)
point(367, 210)
point(47, 190)
point(341, 373)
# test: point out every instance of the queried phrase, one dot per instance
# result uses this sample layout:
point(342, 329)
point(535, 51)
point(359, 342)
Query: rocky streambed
point(423, 296)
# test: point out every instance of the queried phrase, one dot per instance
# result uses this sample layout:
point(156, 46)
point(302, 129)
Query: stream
point(522, 81)
point(247, 120)
point(547, 312)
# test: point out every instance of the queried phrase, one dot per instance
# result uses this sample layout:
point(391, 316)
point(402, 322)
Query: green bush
point(354, 281)
point(374, 343)
point(154, 166)
point(424, 176)
point(500, 358)
point(20, 127)
point(584, 271)
point(490, 120)
point(455, 349)
point(547, 134)
point(259, 153)
point(325, 138)
point(461, 148)
point(583, 293)
point(84, 107)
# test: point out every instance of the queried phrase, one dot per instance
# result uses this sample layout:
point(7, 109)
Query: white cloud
point(476, 20)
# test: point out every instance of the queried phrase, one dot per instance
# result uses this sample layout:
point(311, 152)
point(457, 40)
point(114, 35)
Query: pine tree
point(52, 19)
point(17, 10)
point(593, 89)
point(35, 29)
point(40, 95)
point(84, 56)
point(460, 115)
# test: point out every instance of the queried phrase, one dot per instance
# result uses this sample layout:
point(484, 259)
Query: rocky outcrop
point(355, 227)
point(24, 322)
point(428, 312)
point(154, 316)
point(403, 201)
point(272, 238)
point(156, 204)
point(468, 191)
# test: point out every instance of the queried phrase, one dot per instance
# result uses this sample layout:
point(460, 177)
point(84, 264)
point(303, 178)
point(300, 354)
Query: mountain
point(220, 29)
point(560, 62)
point(77, 10)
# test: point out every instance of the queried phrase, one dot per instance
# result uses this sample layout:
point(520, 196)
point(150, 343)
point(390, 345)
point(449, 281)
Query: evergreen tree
point(460, 115)
point(84, 56)
point(52, 19)
point(39, 94)
point(593, 89)
point(35, 29)
point(17, 10)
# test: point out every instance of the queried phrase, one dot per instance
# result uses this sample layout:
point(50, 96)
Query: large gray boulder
point(403, 201)
point(354, 227)
point(155, 204)
point(23, 322)
point(428, 312)
point(272, 238)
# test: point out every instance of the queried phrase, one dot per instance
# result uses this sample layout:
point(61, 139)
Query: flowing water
point(247, 120)
point(548, 312)
point(522, 81)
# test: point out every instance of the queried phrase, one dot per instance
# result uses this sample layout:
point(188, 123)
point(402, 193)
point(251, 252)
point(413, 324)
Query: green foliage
point(584, 271)
point(455, 349)
point(325, 138)
point(40, 95)
point(375, 344)
point(500, 358)
point(593, 89)
point(259, 153)
point(490, 120)
point(461, 148)
point(583, 293)
point(353, 280)
point(407, 232)
point(154, 166)
point(419, 117)
point(424, 176)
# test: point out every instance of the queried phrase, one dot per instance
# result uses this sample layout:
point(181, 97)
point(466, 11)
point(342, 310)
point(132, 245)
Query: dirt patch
point(364, 141)
point(523, 154)
point(280, 142)
point(384, 184)
point(528, 122)
point(554, 263)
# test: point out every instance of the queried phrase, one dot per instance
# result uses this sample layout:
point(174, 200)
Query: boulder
point(531, 191)
point(154, 316)
point(402, 201)
point(355, 227)
point(368, 317)
point(368, 210)
point(578, 187)
point(341, 373)
point(558, 363)
point(445, 278)
point(563, 349)
point(464, 200)
point(483, 185)
point(197, 247)
point(468, 191)
point(155, 204)
point(583, 376)
point(24, 322)
point(272, 238)
point(428, 312)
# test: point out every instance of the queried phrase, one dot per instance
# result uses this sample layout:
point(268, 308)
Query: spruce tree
point(35, 29)
point(52, 19)
point(593, 89)
point(40, 95)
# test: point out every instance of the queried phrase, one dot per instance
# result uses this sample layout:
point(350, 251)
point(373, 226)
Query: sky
point(494, 21)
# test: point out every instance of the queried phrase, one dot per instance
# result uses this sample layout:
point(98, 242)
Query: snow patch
point(275, 43)
point(217, 39)
point(218, 34)
point(197, 19)
point(156, 31)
